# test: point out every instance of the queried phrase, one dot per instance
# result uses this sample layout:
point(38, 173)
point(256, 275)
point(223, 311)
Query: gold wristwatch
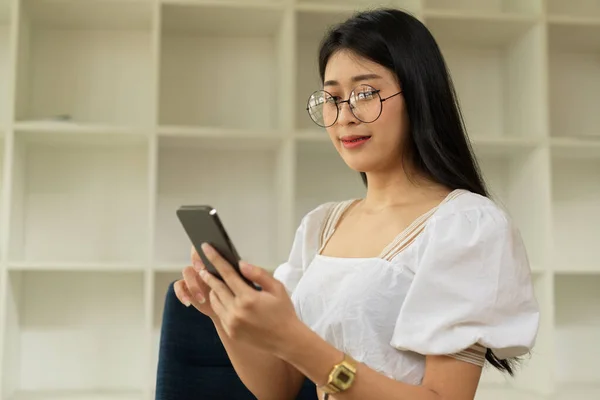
point(341, 376)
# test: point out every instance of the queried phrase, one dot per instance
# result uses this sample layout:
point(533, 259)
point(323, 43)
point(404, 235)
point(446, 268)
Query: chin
point(369, 161)
point(359, 162)
point(367, 157)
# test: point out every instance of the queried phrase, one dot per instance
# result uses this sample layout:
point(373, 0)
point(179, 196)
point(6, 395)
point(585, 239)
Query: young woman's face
point(365, 146)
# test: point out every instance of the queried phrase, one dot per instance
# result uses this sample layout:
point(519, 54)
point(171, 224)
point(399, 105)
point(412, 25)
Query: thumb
point(258, 276)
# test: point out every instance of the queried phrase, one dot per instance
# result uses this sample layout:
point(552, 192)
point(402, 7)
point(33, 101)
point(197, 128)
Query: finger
point(196, 260)
point(229, 275)
point(217, 286)
point(189, 298)
point(181, 293)
point(195, 286)
point(217, 305)
point(259, 276)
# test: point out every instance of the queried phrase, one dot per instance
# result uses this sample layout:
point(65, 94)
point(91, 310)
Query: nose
point(345, 115)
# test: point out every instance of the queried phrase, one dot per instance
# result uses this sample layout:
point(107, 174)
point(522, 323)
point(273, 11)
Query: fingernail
point(200, 298)
point(203, 274)
point(187, 302)
point(208, 250)
point(245, 267)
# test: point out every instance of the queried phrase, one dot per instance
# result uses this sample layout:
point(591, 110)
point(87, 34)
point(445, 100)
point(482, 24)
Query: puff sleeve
point(304, 247)
point(472, 286)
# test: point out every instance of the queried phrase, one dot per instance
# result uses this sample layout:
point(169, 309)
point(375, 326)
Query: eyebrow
point(356, 78)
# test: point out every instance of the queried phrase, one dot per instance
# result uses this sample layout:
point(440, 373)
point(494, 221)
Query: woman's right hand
point(191, 290)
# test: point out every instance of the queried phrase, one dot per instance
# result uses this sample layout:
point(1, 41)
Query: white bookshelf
point(115, 112)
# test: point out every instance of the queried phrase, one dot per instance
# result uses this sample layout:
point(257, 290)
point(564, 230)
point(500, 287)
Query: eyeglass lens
point(364, 102)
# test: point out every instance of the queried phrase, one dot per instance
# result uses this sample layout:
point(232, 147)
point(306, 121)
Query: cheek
point(393, 127)
point(333, 135)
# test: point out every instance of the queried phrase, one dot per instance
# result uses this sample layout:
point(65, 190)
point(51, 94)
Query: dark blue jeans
point(193, 364)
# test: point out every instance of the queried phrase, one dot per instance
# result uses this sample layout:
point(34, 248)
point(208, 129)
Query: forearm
point(265, 375)
point(369, 384)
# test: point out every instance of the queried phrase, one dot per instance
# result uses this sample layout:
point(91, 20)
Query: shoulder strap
point(406, 237)
point(330, 222)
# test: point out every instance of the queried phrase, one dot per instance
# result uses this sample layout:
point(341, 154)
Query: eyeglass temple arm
point(389, 97)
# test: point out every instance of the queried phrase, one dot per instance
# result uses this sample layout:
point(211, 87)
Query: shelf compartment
point(577, 329)
point(92, 188)
point(90, 62)
point(584, 9)
point(574, 79)
point(485, 7)
point(508, 176)
point(237, 177)
point(495, 72)
point(311, 26)
point(58, 322)
point(576, 216)
point(340, 183)
point(219, 65)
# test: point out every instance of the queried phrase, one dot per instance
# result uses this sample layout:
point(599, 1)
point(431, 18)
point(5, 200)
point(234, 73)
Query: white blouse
point(456, 282)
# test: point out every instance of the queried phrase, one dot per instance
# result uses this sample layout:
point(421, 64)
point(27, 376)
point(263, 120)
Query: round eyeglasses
point(365, 104)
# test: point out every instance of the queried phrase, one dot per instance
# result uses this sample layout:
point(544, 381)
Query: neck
point(394, 186)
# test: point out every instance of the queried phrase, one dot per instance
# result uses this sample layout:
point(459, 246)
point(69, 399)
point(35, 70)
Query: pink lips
point(351, 142)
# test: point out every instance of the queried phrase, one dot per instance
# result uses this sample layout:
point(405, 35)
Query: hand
point(191, 290)
point(259, 318)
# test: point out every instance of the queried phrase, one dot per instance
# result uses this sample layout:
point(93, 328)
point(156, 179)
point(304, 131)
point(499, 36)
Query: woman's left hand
point(259, 318)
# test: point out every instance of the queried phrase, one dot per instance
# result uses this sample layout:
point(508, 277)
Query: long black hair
point(437, 144)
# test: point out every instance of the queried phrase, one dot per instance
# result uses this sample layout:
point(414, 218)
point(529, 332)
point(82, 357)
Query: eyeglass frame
point(339, 103)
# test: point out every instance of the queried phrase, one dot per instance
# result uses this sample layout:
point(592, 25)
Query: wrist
point(309, 353)
point(292, 337)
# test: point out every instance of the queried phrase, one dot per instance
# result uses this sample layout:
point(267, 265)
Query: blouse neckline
point(400, 242)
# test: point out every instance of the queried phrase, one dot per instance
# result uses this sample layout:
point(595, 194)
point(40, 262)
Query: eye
point(366, 95)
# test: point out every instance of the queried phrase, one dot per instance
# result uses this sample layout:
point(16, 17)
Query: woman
point(406, 293)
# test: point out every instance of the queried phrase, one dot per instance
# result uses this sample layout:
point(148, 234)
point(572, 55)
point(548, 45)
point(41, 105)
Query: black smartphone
point(203, 225)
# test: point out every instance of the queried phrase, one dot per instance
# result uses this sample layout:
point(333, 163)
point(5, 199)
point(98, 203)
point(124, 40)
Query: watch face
point(344, 378)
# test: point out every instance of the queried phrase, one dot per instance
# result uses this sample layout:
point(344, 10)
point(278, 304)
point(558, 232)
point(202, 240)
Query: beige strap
point(331, 221)
point(408, 235)
point(474, 355)
point(324, 227)
point(400, 242)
